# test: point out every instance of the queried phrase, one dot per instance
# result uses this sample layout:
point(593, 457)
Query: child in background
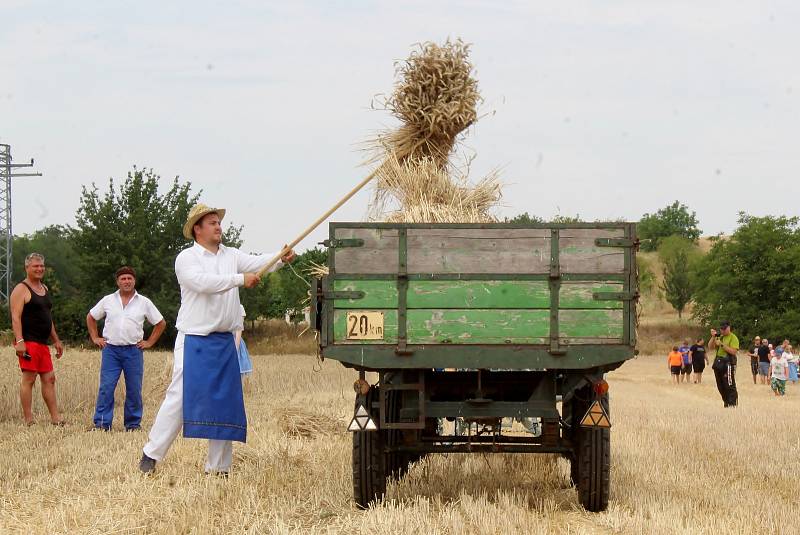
point(779, 373)
point(675, 363)
point(686, 361)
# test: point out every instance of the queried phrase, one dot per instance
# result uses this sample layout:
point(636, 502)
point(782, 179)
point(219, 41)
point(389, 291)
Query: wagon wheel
point(590, 468)
point(369, 461)
point(397, 464)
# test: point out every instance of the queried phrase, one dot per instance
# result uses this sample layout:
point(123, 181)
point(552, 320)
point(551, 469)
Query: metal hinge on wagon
point(616, 242)
point(343, 242)
point(615, 296)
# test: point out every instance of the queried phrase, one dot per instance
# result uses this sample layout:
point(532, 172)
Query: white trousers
point(169, 422)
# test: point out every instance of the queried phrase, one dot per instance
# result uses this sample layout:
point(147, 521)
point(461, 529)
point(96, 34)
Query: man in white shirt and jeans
point(122, 343)
point(205, 395)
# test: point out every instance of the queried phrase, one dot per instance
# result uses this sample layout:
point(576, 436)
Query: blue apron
point(213, 403)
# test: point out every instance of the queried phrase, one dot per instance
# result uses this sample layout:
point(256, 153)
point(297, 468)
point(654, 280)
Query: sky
point(605, 110)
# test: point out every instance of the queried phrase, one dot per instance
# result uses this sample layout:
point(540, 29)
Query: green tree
point(677, 286)
point(678, 255)
point(672, 245)
point(646, 276)
point(283, 291)
point(524, 218)
point(566, 219)
point(134, 224)
point(674, 219)
point(752, 279)
point(62, 277)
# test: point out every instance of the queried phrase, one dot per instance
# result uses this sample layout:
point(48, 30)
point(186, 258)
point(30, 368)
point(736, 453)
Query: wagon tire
point(591, 465)
point(397, 464)
point(369, 462)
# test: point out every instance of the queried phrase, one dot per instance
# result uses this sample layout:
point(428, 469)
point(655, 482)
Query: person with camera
point(725, 345)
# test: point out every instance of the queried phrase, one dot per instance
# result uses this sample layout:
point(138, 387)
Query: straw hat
point(196, 213)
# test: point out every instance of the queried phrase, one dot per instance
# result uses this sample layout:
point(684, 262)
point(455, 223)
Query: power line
point(6, 232)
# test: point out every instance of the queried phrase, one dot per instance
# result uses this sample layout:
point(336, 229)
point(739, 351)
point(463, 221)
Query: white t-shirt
point(210, 287)
point(779, 366)
point(125, 325)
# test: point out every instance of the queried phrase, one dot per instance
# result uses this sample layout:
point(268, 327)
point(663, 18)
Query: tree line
point(133, 223)
point(751, 278)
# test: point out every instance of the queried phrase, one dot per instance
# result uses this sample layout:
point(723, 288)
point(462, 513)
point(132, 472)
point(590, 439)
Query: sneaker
point(132, 429)
point(147, 465)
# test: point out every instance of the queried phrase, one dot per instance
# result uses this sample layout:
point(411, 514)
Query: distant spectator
point(686, 361)
point(763, 360)
point(753, 352)
point(779, 373)
point(792, 359)
point(699, 359)
point(726, 345)
point(675, 363)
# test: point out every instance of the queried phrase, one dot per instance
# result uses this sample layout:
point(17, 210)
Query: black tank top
point(37, 318)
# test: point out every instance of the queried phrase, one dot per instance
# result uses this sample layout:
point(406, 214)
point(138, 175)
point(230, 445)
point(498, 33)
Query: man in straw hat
point(205, 396)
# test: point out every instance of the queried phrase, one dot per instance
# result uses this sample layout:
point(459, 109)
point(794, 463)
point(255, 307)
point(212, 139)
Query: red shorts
point(40, 361)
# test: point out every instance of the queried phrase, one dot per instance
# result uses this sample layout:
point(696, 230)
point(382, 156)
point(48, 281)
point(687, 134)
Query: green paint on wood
point(469, 294)
point(377, 294)
point(489, 326)
point(590, 324)
point(478, 326)
point(458, 327)
point(580, 295)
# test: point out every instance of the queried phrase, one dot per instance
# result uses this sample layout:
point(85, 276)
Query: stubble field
point(680, 464)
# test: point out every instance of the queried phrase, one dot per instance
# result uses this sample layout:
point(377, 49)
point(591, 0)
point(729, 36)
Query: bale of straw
point(436, 98)
point(420, 191)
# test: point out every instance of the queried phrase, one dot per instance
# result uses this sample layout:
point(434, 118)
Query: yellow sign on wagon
point(364, 325)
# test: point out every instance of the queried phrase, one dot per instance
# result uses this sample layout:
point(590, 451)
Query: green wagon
point(479, 324)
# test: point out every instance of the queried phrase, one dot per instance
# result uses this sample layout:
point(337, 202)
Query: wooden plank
point(493, 327)
point(478, 326)
point(577, 324)
point(579, 254)
point(478, 250)
point(447, 294)
point(377, 255)
point(576, 294)
point(458, 327)
point(467, 294)
point(377, 293)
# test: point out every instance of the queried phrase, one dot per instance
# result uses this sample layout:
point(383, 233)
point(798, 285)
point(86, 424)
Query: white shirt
point(779, 365)
point(210, 287)
point(124, 324)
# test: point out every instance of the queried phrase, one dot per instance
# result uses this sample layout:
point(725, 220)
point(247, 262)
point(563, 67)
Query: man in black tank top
point(32, 322)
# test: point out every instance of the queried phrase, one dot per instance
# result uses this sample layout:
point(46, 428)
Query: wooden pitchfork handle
point(316, 223)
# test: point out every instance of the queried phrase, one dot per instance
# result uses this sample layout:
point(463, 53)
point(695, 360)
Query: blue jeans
point(117, 359)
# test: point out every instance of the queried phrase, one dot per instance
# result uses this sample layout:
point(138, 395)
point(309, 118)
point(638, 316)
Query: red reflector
point(600, 387)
